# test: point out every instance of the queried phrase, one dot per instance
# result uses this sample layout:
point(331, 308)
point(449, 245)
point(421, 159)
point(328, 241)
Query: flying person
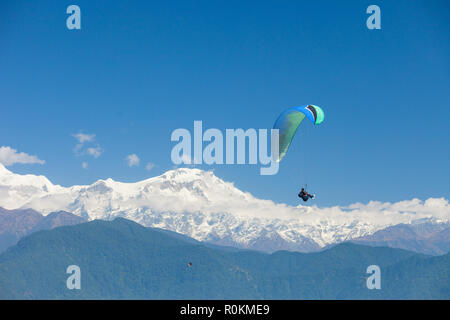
point(305, 195)
point(288, 123)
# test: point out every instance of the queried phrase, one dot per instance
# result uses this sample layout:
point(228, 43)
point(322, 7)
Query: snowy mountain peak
point(186, 175)
point(4, 171)
point(8, 178)
point(199, 204)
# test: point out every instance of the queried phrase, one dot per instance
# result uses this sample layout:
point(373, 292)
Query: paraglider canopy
point(289, 121)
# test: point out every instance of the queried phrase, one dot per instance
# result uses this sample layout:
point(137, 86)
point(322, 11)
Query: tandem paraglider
point(288, 123)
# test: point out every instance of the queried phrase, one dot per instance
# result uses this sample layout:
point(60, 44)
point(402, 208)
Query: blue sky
point(138, 70)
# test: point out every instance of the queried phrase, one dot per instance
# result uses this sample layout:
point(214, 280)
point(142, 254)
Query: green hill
point(121, 259)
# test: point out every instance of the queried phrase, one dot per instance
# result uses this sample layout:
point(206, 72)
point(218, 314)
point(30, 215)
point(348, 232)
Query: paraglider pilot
point(305, 195)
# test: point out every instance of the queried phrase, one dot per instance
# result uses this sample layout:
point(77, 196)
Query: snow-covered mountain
point(200, 205)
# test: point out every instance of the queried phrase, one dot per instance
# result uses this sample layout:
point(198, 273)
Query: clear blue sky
point(139, 69)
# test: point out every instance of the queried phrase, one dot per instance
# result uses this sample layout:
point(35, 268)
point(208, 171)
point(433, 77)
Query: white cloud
point(133, 160)
point(84, 165)
point(9, 156)
point(149, 166)
point(83, 137)
point(95, 152)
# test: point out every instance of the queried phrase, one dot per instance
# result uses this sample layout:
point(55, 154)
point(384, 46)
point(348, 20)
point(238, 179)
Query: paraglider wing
point(289, 121)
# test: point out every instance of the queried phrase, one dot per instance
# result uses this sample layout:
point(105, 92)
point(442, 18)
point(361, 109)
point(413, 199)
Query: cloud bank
point(81, 150)
point(10, 156)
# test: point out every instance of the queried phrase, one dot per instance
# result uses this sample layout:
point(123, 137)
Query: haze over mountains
point(427, 238)
point(16, 224)
point(198, 204)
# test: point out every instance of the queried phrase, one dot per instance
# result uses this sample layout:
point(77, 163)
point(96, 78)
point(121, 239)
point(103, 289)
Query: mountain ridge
point(200, 205)
point(16, 224)
point(121, 259)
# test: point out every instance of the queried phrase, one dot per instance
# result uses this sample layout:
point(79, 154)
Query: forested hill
point(121, 259)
